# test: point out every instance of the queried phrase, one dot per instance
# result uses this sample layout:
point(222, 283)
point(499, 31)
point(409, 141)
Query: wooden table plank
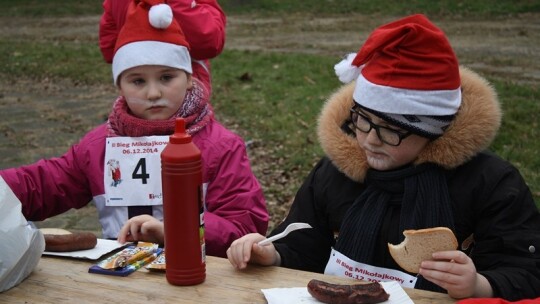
point(63, 280)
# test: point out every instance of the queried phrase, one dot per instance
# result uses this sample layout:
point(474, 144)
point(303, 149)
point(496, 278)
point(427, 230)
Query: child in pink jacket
point(152, 70)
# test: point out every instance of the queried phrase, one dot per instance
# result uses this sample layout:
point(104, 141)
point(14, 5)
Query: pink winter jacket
point(234, 203)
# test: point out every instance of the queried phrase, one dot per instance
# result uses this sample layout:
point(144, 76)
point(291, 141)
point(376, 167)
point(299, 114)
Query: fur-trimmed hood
point(473, 129)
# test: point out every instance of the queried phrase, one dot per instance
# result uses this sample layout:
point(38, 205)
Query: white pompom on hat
point(150, 36)
point(345, 70)
point(407, 73)
point(160, 16)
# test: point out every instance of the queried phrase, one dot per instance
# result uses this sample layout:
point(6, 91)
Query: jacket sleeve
point(507, 234)
point(49, 187)
point(112, 19)
point(234, 199)
point(308, 249)
point(203, 23)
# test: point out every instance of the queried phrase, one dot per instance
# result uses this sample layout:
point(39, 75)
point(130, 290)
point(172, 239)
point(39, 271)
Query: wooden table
point(65, 280)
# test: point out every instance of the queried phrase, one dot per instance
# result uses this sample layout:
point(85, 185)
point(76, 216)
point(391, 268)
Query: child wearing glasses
point(405, 146)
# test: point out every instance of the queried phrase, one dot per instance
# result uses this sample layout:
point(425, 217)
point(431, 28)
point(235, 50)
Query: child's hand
point(142, 228)
point(455, 272)
point(245, 249)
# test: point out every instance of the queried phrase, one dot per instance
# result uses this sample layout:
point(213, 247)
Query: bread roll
point(419, 245)
point(55, 231)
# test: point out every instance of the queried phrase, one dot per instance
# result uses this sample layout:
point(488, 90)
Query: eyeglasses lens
point(386, 135)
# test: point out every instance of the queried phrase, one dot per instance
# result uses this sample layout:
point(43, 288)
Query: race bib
point(340, 265)
point(132, 174)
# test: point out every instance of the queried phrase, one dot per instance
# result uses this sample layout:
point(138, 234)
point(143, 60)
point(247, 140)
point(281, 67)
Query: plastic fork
point(292, 227)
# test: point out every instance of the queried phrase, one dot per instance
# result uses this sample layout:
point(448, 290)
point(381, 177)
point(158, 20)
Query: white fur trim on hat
point(150, 53)
point(393, 100)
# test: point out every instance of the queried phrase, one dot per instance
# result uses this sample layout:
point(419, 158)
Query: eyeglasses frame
point(372, 125)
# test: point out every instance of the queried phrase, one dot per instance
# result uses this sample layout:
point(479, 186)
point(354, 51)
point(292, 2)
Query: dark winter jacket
point(491, 202)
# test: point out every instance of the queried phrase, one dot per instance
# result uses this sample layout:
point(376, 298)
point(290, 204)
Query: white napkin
point(301, 295)
point(102, 247)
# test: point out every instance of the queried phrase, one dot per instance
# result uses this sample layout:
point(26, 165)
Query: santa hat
point(406, 73)
point(150, 36)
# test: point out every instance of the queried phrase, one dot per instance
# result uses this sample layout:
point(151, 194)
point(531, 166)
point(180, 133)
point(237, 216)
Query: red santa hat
point(406, 73)
point(150, 36)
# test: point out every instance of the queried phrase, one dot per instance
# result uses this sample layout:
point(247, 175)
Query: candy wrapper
point(158, 264)
point(128, 260)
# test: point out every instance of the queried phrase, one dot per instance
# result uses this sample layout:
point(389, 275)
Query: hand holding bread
point(419, 245)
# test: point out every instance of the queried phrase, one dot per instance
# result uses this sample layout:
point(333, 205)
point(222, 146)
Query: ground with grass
point(42, 116)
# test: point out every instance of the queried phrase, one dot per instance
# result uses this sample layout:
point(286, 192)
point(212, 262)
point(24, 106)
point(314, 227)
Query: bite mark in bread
point(419, 245)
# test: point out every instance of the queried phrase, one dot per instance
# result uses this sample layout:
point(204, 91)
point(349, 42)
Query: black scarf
point(425, 203)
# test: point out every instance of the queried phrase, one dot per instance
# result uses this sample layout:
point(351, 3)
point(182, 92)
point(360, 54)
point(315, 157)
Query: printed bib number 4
point(132, 173)
point(140, 171)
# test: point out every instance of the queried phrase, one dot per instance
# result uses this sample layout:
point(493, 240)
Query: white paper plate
point(102, 247)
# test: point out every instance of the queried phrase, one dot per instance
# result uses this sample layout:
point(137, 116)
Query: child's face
point(154, 92)
point(381, 156)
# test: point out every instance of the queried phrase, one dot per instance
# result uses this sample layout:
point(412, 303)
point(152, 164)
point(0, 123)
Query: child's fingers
point(237, 255)
point(123, 234)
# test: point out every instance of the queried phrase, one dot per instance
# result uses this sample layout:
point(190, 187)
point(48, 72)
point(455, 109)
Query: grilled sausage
point(347, 294)
point(70, 242)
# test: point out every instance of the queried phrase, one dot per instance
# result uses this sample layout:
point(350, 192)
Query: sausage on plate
point(369, 293)
point(70, 242)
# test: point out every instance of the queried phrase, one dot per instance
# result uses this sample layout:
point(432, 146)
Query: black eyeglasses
point(387, 135)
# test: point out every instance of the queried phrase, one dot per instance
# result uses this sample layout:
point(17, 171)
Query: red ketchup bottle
point(181, 174)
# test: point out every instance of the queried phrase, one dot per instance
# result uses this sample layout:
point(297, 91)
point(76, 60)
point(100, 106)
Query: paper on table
point(102, 247)
point(301, 295)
